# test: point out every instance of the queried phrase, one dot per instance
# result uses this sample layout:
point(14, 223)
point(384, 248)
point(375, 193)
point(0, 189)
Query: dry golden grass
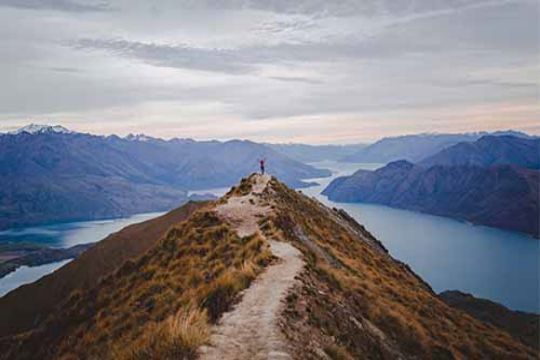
point(178, 337)
point(402, 313)
point(199, 264)
point(20, 309)
point(353, 299)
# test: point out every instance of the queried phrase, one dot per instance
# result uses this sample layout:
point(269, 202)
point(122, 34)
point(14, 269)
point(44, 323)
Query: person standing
point(261, 163)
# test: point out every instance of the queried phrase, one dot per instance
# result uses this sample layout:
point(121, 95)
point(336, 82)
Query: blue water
point(499, 265)
point(69, 234)
point(59, 235)
point(27, 274)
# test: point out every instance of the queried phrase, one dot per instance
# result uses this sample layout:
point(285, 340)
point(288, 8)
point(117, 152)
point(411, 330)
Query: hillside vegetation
point(350, 300)
point(23, 307)
point(356, 301)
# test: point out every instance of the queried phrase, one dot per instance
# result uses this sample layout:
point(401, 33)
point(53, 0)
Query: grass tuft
point(178, 337)
point(223, 291)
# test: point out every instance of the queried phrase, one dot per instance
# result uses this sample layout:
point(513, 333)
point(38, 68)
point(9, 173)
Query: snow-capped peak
point(139, 137)
point(41, 129)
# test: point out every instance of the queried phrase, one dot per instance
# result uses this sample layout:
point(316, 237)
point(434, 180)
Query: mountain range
point(493, 181)
point(263, 272)
point(415, 148)
point(52, 174)
point(489, 151)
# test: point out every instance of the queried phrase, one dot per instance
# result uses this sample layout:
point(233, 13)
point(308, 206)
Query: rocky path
point(250, 330)
point(244, 212)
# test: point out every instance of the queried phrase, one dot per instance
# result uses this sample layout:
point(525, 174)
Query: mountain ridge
point(490, 150)
point(503, 196)
point(22, 307)
point(50, 176)
point(492, 181)
point(351, 299)
point(417, 147)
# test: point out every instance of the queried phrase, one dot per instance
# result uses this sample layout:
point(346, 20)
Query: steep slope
point(54, 175)
point(523, 326)
point(355, 301)
point(501, 196)
point(23, 307)
point(490, 151)
point(49, 177)
point(349, 298)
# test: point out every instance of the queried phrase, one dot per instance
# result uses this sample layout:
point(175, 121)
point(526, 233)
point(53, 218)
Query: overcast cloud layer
point(271, 70)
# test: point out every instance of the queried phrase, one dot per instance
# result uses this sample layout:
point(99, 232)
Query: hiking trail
point(250, 330)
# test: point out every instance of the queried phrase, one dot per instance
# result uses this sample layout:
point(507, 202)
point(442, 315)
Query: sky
point(312, 71)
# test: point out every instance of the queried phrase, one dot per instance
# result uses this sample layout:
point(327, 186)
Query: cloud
point(59, 5)
point(69, 70)
point(246, 59)
point(226, 66)
point(287, 26)
point(174, 56)
point(296, 79)
point(343, 8)
point(398, 39)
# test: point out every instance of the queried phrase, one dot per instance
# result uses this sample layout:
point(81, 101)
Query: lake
point(59, 235)
point(499, 265)
point(27, 274)
point(64, 235)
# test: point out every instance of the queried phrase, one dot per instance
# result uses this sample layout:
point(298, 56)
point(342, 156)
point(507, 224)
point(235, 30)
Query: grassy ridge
point(352, 301)
point(199, 264)
point(357, 302)
point(21, 309)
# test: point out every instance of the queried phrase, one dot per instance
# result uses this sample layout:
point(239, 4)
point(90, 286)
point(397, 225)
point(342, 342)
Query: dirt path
point(250, 330)
point(244, 212)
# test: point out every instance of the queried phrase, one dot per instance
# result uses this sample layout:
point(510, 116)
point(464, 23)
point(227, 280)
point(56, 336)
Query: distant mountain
point(503, 196)
point(52, 174)
point(314, 153)
point(488, 151)
point(41, 129)
point(415, 147)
